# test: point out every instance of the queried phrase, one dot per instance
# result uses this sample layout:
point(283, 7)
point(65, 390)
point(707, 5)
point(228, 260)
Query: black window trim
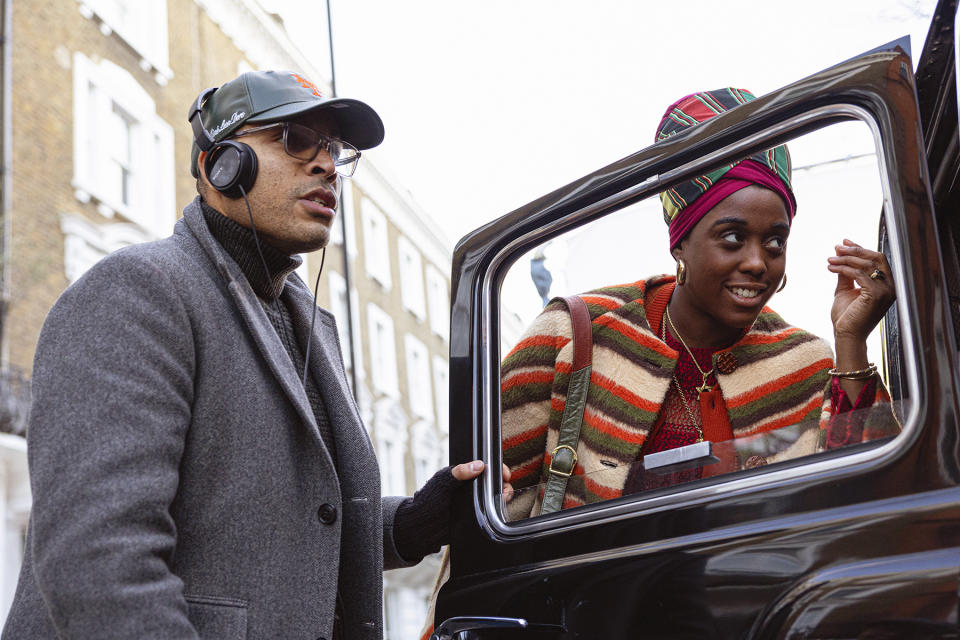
point(823, 466)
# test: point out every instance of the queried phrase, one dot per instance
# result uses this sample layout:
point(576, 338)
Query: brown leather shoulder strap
point(582, 332)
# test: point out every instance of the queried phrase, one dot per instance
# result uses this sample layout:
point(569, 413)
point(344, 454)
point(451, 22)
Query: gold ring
point(877, 275)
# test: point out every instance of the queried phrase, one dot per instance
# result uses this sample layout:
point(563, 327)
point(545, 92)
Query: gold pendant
point(704, 387)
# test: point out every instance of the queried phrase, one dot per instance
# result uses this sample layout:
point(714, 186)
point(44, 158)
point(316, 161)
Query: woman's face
point(735, 257)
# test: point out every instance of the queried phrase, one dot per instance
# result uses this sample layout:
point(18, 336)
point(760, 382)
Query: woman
point(699, 356)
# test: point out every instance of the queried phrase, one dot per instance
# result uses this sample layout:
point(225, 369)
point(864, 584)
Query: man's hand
point(470, 470)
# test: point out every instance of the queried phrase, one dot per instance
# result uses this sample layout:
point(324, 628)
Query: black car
point(857, 542)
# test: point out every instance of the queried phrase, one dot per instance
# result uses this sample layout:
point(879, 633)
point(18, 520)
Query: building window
point(142, 24)
point(123, 151)
point(418, 377)
point(347, 212)
point(383, 354)
point(86, 243)
point(376, 248)
point(338, 306)
point(405, 609)
point(439, 301)
point(390, 424)
point(411, 277)
point(426, 452)
point(441, 388)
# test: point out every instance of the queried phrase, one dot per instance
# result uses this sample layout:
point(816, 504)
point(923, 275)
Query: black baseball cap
point(272, 96)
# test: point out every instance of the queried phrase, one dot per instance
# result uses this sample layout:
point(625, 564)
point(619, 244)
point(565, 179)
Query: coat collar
point(323, 359)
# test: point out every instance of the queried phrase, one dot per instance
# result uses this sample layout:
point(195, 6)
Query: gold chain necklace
point(676, 383)
point(706, 374)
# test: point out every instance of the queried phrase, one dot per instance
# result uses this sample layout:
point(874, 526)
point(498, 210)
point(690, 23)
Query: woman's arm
point(864, 293)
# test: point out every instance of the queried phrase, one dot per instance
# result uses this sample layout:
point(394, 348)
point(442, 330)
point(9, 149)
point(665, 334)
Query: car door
point(860, 541)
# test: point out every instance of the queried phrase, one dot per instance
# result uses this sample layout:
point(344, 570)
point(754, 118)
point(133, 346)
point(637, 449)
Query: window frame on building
point(412, 291)
point(383, 351)
point(103, 93)
point(142, 24)
point(441, 393)
point(438, 302)
point(419, 391)
point(376, 243)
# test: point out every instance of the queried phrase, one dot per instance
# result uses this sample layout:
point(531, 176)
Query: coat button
point(327, 513)
point(727, 363)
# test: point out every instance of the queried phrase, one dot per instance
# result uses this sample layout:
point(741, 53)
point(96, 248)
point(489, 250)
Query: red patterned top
point(674, 429)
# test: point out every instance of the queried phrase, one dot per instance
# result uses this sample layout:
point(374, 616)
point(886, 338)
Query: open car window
point(783, 408)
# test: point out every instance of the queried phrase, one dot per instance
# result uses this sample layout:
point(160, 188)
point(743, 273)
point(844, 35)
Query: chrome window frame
point(487, 499)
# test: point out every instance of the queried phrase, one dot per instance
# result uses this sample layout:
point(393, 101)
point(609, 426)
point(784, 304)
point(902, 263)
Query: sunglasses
point(303, 143)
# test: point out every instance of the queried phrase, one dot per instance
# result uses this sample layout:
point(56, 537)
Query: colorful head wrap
point(685, 204)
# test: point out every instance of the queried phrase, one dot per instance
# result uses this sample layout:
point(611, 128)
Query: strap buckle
point(553, 458)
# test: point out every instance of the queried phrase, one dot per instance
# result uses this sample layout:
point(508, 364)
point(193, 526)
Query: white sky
point(487, 108)
point(489, 105)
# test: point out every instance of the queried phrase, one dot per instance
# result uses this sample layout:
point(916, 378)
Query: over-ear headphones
point(231, 166)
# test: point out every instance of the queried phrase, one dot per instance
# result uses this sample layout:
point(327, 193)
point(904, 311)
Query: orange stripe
point(605, 492)
point(556, 404)
point(785, 421)
point(643, 339)
point(526, 436)
point(525, 470)
point(624, 394)
point(539, 341)
point(527, 377)
point(778, 384)
point(768, 338)
point(602, 302)
point(609, 428)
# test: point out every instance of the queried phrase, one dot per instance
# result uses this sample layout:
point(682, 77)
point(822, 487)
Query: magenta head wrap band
point(686, 203)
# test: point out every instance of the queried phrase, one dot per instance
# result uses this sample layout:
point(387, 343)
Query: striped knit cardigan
point(780, 379)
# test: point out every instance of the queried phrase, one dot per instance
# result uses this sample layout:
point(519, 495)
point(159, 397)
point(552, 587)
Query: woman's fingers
point(869, 269)
point(857, 310)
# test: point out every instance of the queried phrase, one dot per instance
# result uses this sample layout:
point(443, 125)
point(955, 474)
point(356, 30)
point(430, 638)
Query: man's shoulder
point(175, 253)
point(170, 264)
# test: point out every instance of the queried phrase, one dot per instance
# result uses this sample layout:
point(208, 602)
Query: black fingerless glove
point(421, 524)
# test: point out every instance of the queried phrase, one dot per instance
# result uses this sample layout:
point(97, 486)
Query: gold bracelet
point(859, 374)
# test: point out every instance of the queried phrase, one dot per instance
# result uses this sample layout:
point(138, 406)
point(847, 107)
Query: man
point(198, 465)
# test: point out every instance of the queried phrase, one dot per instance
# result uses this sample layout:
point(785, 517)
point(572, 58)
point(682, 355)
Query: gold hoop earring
point(783, 283)
point(681, 272)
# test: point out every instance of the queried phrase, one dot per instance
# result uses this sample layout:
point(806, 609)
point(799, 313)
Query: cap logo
point(306, 84)
point(236, 117)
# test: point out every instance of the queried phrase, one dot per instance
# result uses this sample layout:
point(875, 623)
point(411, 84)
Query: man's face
point(293, 202)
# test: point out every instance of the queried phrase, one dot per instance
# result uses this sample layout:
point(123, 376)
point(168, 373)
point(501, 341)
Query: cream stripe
point(748, 377)
point(757, 427)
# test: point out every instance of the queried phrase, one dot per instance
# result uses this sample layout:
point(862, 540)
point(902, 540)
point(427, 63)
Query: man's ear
point(202, 165)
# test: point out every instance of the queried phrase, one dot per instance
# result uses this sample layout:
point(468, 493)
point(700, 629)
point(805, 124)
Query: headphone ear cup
point(231, 165)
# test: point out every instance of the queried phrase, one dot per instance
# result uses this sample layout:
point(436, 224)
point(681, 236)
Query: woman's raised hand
point(864, 291)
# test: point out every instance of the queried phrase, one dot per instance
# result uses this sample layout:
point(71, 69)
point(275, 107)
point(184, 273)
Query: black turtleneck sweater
point(239, 242)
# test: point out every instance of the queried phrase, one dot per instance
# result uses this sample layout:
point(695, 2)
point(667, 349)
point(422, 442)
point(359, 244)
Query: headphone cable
point(276, 300)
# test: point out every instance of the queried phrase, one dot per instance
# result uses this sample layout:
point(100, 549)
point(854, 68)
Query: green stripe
point(524, 394)
point(535, 355)
point(514, 456)
point(789, 398)
point(625, 345)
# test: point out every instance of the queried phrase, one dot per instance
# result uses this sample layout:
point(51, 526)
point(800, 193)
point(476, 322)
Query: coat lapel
point(326, 368)
point(264, 335)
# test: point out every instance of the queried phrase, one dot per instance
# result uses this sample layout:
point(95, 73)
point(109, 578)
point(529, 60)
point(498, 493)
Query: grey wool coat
point(181, 487)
